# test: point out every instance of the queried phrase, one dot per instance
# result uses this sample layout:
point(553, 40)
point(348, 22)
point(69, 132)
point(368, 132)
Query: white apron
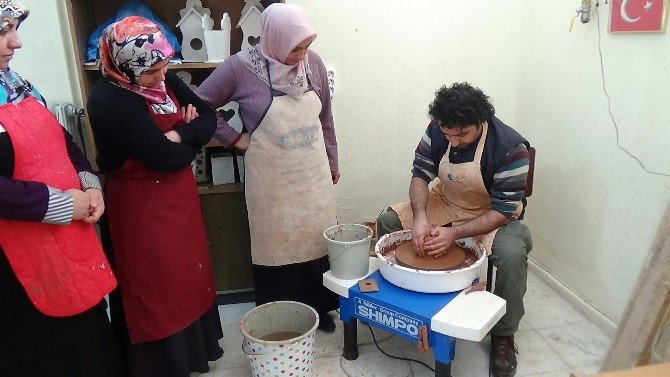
point(288, 186)
point(460, 195)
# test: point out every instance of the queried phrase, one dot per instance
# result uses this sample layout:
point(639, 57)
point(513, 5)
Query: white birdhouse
point(252, 3)
point(251, 27)
point(218, 41)
point(187, 79)
point(193, 32)
point(230, 112)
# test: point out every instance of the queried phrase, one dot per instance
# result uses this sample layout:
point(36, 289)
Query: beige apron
point(288, 186)
point(459, 196)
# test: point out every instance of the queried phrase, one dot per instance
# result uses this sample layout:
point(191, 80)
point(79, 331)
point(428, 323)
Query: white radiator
point(70, 118)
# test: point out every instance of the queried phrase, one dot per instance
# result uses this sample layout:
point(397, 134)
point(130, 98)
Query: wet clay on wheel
point(455, 258)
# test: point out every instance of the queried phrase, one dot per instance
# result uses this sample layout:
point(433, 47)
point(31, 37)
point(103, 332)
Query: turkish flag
point(637, 15)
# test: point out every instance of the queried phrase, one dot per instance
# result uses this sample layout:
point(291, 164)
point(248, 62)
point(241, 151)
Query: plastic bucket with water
point(348, 250)
point(279, 339)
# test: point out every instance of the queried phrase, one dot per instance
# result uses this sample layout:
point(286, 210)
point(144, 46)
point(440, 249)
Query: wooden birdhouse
point(191, 25)
point(217, 41)
point(250, 23)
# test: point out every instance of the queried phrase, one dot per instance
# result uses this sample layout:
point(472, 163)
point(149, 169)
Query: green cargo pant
point(511, 246)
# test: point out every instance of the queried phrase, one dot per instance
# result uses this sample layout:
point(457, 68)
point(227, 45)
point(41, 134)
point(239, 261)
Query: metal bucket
point(348, 250)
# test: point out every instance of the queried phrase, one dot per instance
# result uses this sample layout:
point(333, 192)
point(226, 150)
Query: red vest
point(62, 268)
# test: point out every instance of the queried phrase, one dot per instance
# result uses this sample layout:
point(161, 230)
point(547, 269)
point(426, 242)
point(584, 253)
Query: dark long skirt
point(32, 344)
point(179, 354)
point(302, 282)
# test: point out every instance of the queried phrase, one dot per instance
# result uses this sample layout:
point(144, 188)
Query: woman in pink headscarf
point(147, 126)
point(291, 156)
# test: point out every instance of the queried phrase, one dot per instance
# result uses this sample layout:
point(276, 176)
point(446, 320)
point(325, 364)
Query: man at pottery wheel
point(482, 165)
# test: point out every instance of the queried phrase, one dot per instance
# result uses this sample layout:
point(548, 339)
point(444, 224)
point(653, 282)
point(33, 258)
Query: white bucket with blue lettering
point(348, 250)
point(294, 324)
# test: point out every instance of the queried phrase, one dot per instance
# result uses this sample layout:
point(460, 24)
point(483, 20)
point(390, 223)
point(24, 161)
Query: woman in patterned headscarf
point(147, 130)
point(53, 273)
point(291, 156)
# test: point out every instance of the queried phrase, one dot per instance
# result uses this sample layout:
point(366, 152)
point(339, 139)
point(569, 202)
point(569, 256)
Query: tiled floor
point(553, 339)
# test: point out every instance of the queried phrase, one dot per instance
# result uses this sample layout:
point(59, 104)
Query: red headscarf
point(127, 49)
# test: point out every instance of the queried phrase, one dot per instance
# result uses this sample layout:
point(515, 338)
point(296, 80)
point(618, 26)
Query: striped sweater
point(36, 201)
point(504, 164)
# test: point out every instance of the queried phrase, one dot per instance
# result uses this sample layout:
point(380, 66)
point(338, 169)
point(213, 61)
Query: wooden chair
point(529, 192)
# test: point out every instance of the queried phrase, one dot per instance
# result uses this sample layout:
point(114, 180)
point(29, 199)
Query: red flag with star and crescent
point(637, 15)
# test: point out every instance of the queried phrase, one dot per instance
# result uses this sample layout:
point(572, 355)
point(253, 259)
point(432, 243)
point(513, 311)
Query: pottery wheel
point(405, 256)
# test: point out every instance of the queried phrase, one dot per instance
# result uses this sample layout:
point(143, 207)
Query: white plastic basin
point(427, 281)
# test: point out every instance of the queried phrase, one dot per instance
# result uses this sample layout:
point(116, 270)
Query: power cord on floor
point(374, 340)
point(397, 357)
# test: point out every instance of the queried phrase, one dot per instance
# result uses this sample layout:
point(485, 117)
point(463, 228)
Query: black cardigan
point(123, 128)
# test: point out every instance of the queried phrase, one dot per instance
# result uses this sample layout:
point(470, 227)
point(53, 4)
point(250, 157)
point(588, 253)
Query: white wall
point(389, 59)
point(593, 212)
point(46, 58)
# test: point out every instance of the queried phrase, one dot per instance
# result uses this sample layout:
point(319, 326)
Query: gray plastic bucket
point(288, 357)
point(348, 250)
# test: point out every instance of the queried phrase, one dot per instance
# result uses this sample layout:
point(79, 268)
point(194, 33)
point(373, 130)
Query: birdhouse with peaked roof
point(250, 23)
point(252, 3)
point(191, 24)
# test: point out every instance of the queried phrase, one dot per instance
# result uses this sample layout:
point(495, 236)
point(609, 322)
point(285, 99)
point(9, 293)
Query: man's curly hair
point(460, 105)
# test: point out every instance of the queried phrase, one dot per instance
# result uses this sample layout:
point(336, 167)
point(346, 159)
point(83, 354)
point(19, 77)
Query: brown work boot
point(503, 356)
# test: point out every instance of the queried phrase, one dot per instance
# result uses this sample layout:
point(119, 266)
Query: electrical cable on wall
point(609, 104)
